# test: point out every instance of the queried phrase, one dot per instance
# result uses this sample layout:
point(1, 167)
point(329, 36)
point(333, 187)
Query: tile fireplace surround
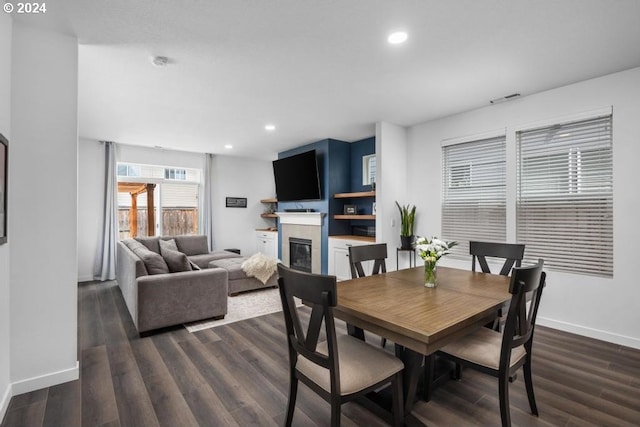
point(302, 225)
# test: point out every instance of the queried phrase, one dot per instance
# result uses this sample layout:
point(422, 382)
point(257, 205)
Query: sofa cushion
point(169, 244)
point(153, 262)
point(203, 260)
point(232, 265)
point(192, 245)
point(176, 261)
point(150, 242)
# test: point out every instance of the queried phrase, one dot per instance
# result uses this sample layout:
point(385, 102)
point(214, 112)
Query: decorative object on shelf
point(431, 250)
point(270, 210)
point(407, 218)
point(350, 210)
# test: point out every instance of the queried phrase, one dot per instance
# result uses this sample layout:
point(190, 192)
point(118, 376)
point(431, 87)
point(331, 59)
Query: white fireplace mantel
point(301, 218)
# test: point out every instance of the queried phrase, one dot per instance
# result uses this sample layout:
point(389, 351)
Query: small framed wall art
point(236, 202)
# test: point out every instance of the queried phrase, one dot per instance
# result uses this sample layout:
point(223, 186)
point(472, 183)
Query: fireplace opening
point(300, 254)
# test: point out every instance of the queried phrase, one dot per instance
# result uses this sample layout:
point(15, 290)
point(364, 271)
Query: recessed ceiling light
point(270, 127)
point(397, 37)
point(228, 146)
point(159, 61)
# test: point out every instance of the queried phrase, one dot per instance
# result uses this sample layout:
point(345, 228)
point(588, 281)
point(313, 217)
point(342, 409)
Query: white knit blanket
point(260, 266)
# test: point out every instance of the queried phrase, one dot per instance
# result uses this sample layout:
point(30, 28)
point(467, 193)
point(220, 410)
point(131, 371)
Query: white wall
point(158, 156)
point(233, 176)
point(391, 185)
point(5, 107)
point(42, 208)
point(601, 308)
point(240, 177)
point(91, 163)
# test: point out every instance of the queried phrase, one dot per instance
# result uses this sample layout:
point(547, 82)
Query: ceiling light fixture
point(504, 98)
point(270, 127)
point(159, 61)
point(228, 146)
point(397, 37)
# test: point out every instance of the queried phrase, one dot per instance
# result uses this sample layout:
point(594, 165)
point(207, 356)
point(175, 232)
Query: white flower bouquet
point(431, 250)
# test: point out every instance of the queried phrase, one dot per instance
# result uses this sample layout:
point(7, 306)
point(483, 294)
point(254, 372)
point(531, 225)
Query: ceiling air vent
point(504, 98)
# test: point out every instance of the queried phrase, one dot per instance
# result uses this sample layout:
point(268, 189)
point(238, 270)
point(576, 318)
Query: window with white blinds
point(564, 206)
point(474, 193)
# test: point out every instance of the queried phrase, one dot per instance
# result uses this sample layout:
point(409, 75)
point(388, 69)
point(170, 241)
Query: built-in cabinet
point(267, 242)
point(339, 255)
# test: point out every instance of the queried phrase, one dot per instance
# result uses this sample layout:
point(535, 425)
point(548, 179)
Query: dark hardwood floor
point(237, 375)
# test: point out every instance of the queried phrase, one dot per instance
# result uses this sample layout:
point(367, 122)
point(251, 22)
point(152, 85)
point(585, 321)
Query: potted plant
point(407, 218)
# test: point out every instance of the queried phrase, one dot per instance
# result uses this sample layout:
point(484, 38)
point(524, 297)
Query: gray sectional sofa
point(161, 293)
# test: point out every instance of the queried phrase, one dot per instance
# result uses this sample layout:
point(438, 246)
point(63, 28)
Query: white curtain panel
point(105, 264)
point(207, 205)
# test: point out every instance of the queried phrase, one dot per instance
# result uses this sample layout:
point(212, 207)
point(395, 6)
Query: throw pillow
point(177, 261)
point(168, 244)
point(153, 262)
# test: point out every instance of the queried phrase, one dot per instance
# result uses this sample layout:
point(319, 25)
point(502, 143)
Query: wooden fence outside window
point(175, 222)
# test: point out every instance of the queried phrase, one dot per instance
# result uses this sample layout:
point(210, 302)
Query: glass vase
point(430, 275)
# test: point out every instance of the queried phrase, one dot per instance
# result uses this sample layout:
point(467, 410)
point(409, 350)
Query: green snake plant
point(407, 217)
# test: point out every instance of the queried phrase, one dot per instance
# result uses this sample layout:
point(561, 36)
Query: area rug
point(244, 306)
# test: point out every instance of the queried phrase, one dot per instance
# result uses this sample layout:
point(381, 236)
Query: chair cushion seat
point(482, 347)
point(361, 365)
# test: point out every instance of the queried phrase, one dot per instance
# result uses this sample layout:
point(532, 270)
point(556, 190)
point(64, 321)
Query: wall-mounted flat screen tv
point(297, 177)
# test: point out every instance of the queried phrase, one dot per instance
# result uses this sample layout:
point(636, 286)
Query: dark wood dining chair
point(359, 254)
point(502, 354)
point(340, 369)
point(512, 253)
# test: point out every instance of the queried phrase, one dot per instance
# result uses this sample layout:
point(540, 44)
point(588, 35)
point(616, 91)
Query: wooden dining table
point(419, 320)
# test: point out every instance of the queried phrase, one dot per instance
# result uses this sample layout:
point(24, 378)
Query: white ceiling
point(322, 68)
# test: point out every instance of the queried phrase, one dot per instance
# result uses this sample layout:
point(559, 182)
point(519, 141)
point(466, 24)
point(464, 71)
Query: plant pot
point(406, 242)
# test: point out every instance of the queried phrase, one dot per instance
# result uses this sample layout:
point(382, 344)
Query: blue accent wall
point(340, 171)
point(333, 169)
point(358, 149)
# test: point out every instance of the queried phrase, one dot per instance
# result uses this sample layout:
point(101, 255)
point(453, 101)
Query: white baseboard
point(4, 402)
point(85, 278)
point(590, 332)
point(48, 380)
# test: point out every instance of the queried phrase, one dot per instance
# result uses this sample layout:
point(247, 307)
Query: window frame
point(474, 196)
point(550, 211)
